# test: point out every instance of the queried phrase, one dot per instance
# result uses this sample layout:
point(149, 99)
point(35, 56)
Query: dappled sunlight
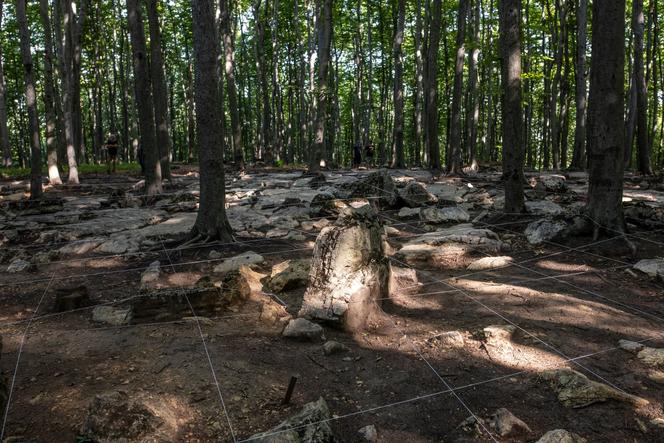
point(552, 265)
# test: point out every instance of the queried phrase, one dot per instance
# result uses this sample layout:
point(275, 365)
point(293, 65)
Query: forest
point(320, 221)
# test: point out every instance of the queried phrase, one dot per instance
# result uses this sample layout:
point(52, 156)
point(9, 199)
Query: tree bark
point(31, 101)
point(397, 133)
point(144, 100)
point(68, 90)
point(324, 43)
point(211, 221)
point(419, 86)
point(454, 165)
point(473, 111)
point(49, 98)
point(433, 144)
point(4, 130)
point(638, 25)
point(606, 131)
point(513, 149)
point(579, 156)
point(159, 91)
point(229, 70)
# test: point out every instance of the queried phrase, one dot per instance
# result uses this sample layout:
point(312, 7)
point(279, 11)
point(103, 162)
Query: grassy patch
point(21, 173)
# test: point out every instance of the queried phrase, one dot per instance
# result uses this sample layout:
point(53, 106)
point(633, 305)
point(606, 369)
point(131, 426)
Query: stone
point(415, 195)
point(489, 263)
point(274, 314)
point(350, 272)
point(652, 357)
point(498, 333)
point(303, 329)
point(116, 416)
point(653, 268)
point(311, 425)
point(542, 231)
point(408, 212)
point(294, 275)
point(544, 208)
point(18, 265)
point(630, 346)
point(215, 255)
point(450, 339)
point(70, 299)
point(507, 424)
point(333, 347)
point(551, 183)
point(111, 315)
point(206, 298)
point(452, 214)
point(80, 247)
point(576, 391)
point(403, 281)
point(326, 204)
point(561, 436)
point(377, 186)
point(368, 434)
point(120, 244)
point(441, 245)
point(151, 275)
point(234, 263)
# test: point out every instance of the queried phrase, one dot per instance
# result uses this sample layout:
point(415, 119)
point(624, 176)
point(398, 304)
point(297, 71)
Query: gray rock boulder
point(303, 329)
point(561, 436)
point(544, 207)
point(551, 183)
point(576, 391)
point(378, 186)
point(111, 315)
point(489, 263)
point(18, 265)
point(234, 263)
point(453, 214)
point(291, 275)
point(507, 424)
point(415, 195)
point(653, 268)
point(308, 426)
point(542, 231)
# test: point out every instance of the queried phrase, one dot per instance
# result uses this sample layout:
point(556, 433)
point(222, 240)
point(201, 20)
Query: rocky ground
point(494, 327)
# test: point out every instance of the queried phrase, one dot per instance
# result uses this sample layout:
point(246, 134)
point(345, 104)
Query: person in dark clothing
point(111, 147)
point(357, 155)
point(369, 152)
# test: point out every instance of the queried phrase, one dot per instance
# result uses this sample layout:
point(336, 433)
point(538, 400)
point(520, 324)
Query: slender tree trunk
point(397, 134)
point(49, 98)
point(78, 21)
point(433, 144)
point(159, 91)
point(4, 130)
point(31, 101)
point(638, 26)
point(324, 43)
point(211, 222)
point(419, 86)
point(473, 111)
point(579, 156)
point(513, 149)
point(455, 164)
point(606, 131)
point(229, 70)
point(144, 100)
point(68, 90)
point(266, 145)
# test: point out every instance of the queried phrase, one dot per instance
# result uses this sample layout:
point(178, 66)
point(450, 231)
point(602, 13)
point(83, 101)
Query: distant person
point(369, 152)
point(111, 147)
point(357, 155)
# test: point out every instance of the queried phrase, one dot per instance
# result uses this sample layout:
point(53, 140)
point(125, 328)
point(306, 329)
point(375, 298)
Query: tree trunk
point(211, 221)
point(4, 130)
point(49, 98)
point(397, 134)
point(324, 43)
point(68, 90)
point(144, 100)
point(419, 86)
point(473, 111)
point(433, 146)
point(77, 115)
point(229, 69)
point(638, 26)
point(159, 91)
point(579, 156)
point(31, 102)
point(606, 131)
point(455, 165)
point(513, 149)
point(261, 67)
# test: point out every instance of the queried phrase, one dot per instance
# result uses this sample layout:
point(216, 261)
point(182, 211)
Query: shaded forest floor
point(571, 298)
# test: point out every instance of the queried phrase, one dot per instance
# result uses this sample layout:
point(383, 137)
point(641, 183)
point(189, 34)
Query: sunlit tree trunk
point(229, 70)
point(67, 88)
point(433, 144)
point(579, 156)
point(324, 43)
point(31, 101)
point(397, 134)
point(454, 165)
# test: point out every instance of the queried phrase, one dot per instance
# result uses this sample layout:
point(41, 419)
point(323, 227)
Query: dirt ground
point(572, 301)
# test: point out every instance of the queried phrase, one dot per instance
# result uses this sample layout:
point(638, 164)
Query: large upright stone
point(311, 425)
point(415, 195)
point(349, 274)
point(377, 186)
